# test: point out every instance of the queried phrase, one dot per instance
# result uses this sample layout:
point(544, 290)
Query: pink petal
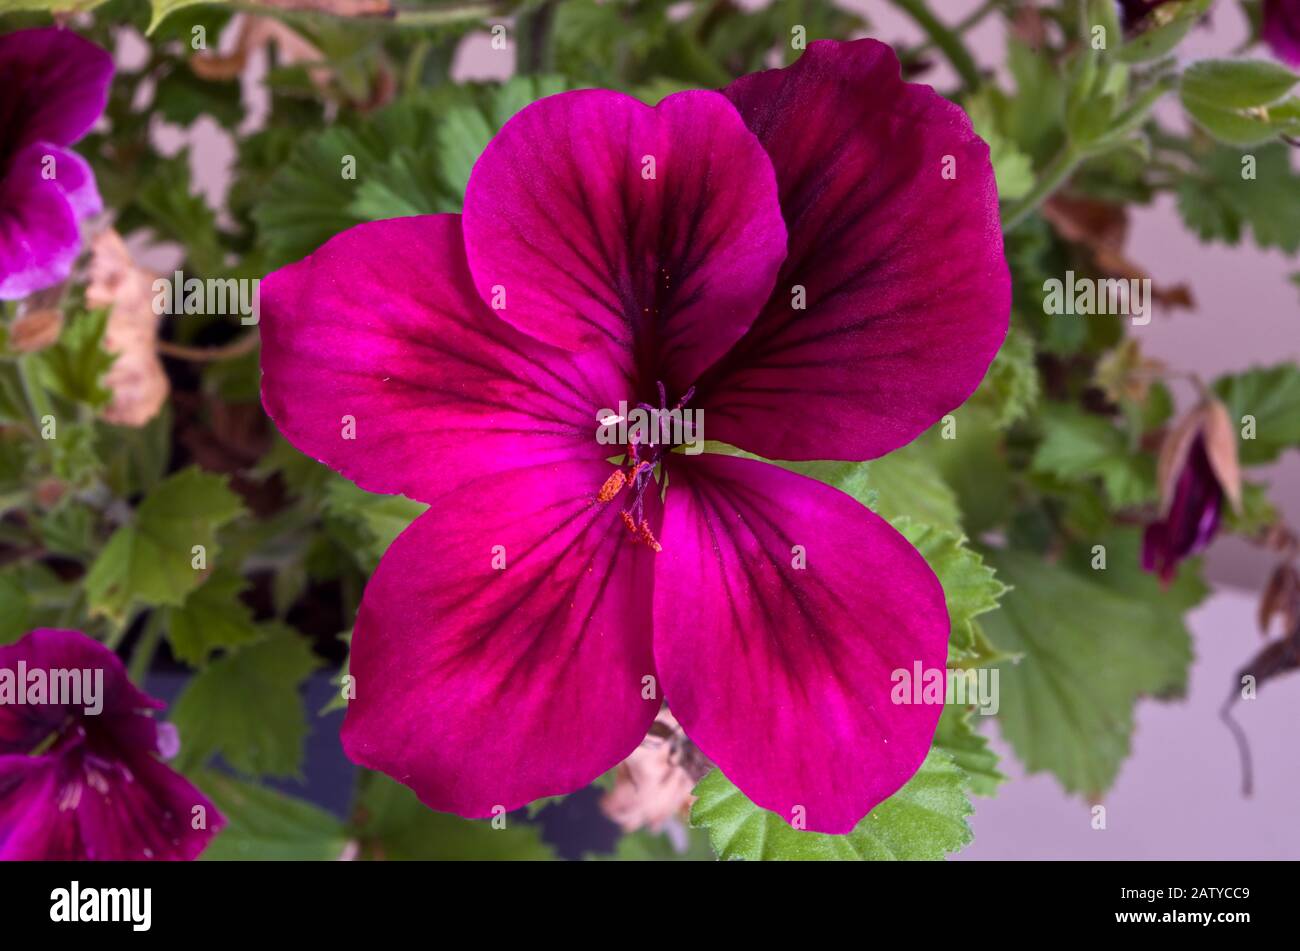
point(782, 675)
point(32, 827)
point(39, 236)
point(482, 687)
point(380, 335)
point(133, 807)
point(53, 86)
point(23, 726)
point(907, 290)
point(559, 214)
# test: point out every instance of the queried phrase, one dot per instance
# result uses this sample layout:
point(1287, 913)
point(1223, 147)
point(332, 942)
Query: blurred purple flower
point(1282, 29)
point(80, 770)
point(1192, 520)
point(53, 86)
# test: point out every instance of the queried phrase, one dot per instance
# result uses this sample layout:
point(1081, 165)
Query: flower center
point(647, 433)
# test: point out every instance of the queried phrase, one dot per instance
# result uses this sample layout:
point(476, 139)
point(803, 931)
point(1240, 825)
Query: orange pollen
point(645, 535)
point(612, 487)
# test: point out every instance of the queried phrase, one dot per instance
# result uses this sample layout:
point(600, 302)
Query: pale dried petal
point(35, 330)
point(137, 381)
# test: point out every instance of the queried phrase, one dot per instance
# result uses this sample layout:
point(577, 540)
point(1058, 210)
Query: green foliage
point(245, 706)
point(926, 819)
point(1077, 445)
point(1271, 397)
point(1219, 201)
point(1067, 705)
point(393, 824)
point(267, 825)
point(151, 560)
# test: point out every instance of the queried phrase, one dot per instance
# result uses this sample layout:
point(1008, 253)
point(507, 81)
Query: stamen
point(646, 536)
point(612, 487)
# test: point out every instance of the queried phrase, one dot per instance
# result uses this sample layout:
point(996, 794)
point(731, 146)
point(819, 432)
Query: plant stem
point(943, 37)
point(973, 19)
point(145, 648)
point(1053, 176)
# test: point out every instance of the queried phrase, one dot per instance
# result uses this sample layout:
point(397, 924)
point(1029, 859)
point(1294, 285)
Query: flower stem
point(1053, 176)
point(945, 38)
point(145, 648)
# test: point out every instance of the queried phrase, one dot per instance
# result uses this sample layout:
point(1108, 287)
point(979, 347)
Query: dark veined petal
point(379, 359)
point(503, 644)
point(895, 256)
point(782, 674)
point(593, 219)
point(98, 789)
point(53, 86)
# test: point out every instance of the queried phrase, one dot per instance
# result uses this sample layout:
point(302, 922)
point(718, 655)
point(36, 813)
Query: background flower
point(53, 86)
point(79, 785)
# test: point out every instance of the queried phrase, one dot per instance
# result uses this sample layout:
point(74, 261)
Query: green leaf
point(1257, 511)
point(1013, 169)
point(1242, 129)
point(1078, 445)
point(393, 824)
point(970, 586)
point(212, 616)
point(1223, 199)
point(72, 368)
point(969, 750)
point(1010, 388)
point(1176, 21)
point(646, 846)
point(162, 9)
point(1089, 652)
point(1237, 84)
point(465, 131)
point(245, 706)
point(908, 485)
point(151, 559)
point(1271, 395)
point(266, 825)
point(926, 819)
point(371, 521)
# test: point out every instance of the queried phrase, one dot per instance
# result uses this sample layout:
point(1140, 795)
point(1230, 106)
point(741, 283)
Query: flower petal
point(134, 807)
point(1281, 29)
point(483, 687)
point(907, 290)
point(591, 243)
point(53, 86)
point(379, 359)
point(80, 805)
point(782, 675)
point(39, 235)
point(75, 176)
point(23, 726)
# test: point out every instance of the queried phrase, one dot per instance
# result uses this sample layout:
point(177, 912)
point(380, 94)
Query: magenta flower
point(80, 774)
point(53, 86)
point(1192, 519)
point(813, 259)
point(1281, 29)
